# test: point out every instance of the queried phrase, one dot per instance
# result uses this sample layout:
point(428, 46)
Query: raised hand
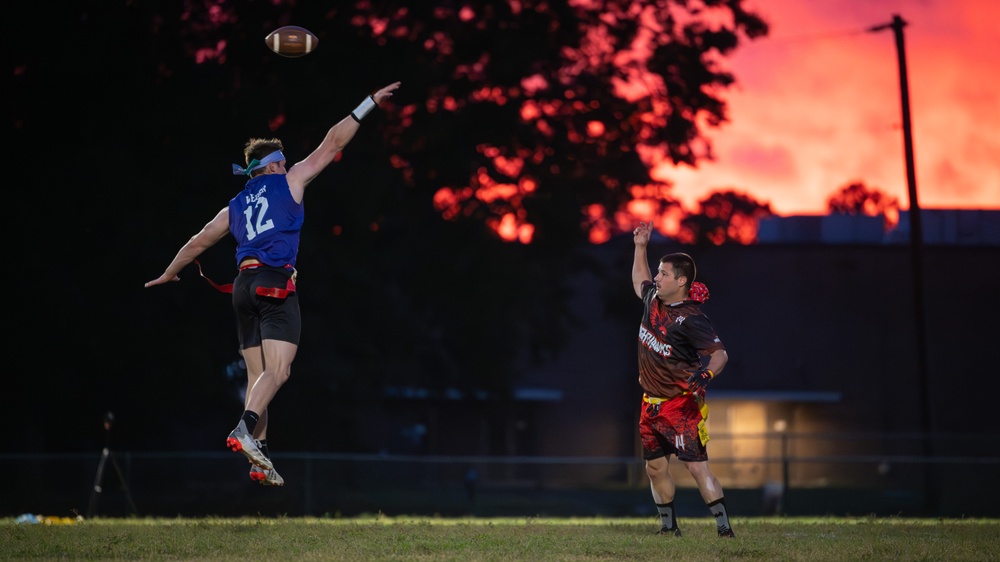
point(385, 92)
point(640, 236)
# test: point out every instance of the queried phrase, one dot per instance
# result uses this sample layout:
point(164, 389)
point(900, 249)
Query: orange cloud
point(817, 105)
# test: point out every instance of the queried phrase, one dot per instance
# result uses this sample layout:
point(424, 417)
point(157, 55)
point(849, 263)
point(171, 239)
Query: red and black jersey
point(673, 339)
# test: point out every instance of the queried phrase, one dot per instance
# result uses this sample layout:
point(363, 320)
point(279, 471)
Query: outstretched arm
point(335, 140)
point(640, 263)
point(211, 233)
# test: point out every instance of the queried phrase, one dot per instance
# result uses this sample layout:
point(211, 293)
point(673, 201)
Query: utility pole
point(931, 501)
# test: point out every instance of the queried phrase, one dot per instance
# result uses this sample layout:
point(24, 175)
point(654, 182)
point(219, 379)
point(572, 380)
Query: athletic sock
point(666, 511)
point(250, 419)
point(262, 445)
point(718, 509)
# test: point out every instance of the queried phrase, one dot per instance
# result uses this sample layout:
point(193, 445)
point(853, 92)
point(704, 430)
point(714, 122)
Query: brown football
point(292, 41)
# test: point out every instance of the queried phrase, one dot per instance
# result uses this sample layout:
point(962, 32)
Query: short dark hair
point(683, 265)
point(257, 149)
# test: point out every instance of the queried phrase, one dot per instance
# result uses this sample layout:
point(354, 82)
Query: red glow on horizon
point(804, 118)
point(808, 119)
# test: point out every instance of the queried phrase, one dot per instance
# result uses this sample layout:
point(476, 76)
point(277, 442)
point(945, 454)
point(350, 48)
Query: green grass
point(435, 539)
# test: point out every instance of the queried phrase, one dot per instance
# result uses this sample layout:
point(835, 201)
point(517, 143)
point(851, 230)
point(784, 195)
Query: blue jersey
point(266, 221)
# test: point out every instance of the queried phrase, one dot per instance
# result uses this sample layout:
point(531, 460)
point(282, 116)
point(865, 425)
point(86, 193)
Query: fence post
point(784, 473)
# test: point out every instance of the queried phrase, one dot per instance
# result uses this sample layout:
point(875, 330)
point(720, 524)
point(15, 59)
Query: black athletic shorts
point(261, 318)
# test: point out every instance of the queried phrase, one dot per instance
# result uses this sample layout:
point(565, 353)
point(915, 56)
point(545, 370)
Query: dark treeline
point(127, 117)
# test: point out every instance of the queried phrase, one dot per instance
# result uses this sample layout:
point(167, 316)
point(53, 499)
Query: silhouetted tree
point(857, 199)
point(517, 121)
point(539, 119)
point(723, 217)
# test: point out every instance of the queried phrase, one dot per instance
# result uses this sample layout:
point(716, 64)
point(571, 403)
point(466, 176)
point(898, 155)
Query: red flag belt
point(274, 292)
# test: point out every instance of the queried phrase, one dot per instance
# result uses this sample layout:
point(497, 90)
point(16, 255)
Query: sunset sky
point(817, 105)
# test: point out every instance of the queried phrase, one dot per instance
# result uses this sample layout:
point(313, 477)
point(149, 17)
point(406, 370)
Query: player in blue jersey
point(679, 354)
point(265, 219)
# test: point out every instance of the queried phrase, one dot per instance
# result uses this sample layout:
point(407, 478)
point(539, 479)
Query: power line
point(809, 37)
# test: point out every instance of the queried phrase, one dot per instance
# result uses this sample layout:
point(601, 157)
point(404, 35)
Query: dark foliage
point(128, 117)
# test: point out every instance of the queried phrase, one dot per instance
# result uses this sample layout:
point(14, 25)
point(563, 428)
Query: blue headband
point(255, 164)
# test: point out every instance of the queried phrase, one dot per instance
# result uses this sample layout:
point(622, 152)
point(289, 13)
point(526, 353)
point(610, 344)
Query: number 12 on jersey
point(262, 225)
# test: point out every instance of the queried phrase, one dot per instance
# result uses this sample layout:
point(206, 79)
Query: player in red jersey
point(679, 354)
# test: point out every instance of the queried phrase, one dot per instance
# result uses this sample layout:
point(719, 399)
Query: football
point(292, 41)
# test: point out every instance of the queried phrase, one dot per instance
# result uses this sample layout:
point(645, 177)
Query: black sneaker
point(665, 531)
point(727, 533)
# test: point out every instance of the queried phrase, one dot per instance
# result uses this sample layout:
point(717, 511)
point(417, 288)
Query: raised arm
point(209, 235)
point(640, 263)
point(335, 140)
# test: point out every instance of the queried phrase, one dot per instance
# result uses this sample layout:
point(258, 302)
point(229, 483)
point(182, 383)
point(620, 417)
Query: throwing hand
point(700, 379)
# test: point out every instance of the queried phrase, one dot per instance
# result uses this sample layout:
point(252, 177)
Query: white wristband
point(363, 108)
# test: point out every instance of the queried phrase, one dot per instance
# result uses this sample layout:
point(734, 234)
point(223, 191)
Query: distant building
point(951, 226)
point(823, 390)
point(940, 226)
point(819, 322)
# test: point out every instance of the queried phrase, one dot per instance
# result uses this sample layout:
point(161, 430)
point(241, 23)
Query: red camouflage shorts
point(674, 426)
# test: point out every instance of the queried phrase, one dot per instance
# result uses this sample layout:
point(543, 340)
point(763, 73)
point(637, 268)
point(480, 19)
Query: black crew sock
point(718, 509)
point(666, 511)
point(262, 445)
point(250, 419)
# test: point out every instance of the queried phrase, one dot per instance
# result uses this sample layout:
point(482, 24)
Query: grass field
point(435, 539)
